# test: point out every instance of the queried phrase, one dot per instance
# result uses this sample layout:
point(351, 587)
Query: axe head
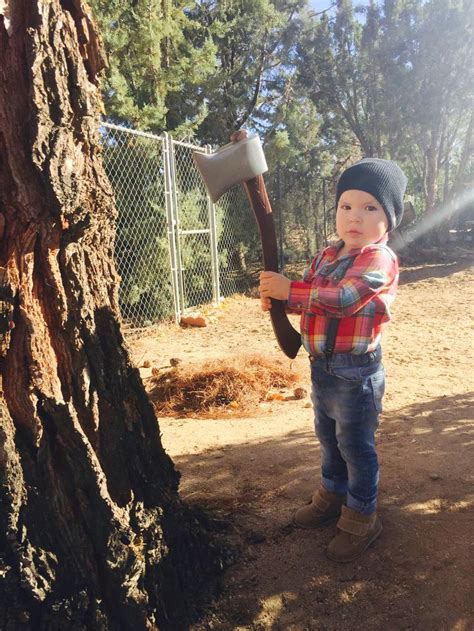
point(230, 165)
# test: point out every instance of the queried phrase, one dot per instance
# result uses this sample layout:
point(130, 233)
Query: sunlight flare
point(434, 219)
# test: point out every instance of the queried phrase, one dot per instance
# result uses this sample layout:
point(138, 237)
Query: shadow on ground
point(412, 274)
point(417, 576)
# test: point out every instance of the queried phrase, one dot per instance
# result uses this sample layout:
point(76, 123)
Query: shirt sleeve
point(294, 307)
point(372, 272)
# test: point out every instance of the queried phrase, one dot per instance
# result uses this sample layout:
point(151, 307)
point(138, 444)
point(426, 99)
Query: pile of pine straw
point(234, 386)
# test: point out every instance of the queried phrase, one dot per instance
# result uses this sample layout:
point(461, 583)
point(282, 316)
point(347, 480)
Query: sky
point(320, 5)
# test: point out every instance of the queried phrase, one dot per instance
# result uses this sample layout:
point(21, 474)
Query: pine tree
point(158, 60)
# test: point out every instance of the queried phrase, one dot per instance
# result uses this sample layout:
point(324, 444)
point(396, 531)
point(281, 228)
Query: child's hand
point(273, 285)
point(240, 134)
point(266, 303)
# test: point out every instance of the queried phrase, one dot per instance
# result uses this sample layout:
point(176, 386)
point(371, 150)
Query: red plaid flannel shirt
point(358, 294)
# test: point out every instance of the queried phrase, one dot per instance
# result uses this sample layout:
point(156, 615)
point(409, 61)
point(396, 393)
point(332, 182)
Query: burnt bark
point(92, 532)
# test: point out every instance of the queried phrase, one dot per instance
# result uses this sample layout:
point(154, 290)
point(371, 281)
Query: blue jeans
point(347, 393)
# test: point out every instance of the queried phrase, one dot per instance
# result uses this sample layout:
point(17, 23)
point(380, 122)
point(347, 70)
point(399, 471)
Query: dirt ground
point(255, 471)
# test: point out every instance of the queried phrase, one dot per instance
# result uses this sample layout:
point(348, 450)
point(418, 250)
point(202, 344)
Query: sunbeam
point(432, 220)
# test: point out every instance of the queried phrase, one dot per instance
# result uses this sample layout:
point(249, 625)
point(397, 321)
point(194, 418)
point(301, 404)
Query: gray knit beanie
point(381, 178)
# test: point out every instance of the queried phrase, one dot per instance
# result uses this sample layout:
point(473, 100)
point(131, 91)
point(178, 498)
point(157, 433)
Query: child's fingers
point(266, 280)
point(265, 292)
point(266, 304)
point(240, 134)
point(267, 275)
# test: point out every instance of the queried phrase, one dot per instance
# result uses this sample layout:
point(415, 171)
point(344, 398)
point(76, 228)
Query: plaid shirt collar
point(332, 250)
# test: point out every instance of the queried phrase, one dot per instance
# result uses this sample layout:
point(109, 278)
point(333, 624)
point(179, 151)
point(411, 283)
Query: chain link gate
point(193, 235)
point(174, 248)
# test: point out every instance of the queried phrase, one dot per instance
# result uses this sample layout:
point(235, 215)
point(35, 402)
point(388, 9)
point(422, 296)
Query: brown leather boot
point(325, 507)
point(356, 533)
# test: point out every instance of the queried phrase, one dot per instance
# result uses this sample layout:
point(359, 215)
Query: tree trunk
point(432, 168)
point(462, 169)
point(92, 532)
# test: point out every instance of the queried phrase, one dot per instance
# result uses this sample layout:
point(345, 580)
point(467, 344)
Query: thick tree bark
point(92, 533)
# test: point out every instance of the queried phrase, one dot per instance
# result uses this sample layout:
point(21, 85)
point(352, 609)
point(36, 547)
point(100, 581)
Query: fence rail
point(174, 248)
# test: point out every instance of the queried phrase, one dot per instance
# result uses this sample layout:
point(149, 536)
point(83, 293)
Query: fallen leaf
point(198, 321)
point(275, 396)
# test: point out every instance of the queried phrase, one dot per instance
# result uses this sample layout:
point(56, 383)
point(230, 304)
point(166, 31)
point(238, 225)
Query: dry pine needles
point(236, 386)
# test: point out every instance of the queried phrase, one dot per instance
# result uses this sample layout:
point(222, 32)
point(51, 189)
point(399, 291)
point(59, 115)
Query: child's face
point(360, 219)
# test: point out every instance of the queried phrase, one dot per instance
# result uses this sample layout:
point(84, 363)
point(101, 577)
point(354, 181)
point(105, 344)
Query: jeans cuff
point(335, 486)
point(366, 508)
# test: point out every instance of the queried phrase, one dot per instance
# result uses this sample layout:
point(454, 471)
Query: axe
point(243, 162)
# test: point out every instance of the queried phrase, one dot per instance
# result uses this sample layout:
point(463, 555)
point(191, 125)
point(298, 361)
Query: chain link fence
point(175, 249)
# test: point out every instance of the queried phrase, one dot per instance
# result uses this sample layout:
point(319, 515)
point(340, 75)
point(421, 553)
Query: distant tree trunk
point(460, 178)
point(92, 532)
point(431, 172)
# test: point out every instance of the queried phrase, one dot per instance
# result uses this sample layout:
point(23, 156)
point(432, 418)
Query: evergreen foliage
point(157, 56)
point(387, 78)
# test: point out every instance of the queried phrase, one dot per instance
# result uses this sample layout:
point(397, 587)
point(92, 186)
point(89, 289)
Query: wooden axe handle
point(288, 338)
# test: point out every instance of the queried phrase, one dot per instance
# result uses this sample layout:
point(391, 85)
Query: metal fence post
point(216, 292)
point(170, 198)
point(177, 226)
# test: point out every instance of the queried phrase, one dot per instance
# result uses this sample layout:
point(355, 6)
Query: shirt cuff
point(301, 296)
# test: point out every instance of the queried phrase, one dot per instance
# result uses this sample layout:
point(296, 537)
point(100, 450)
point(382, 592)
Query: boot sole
point(359, 553)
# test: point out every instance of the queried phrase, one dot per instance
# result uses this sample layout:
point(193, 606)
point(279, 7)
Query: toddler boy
point(344, 301)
